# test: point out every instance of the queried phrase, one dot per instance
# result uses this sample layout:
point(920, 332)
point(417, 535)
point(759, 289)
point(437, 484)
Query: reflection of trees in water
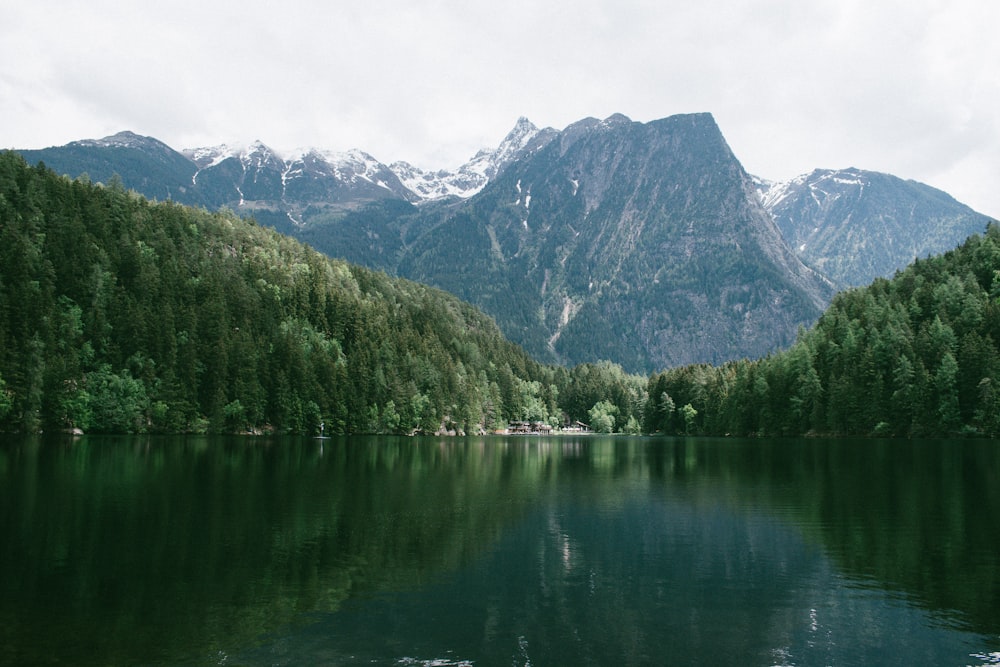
point(912, 516)
point(115, 546)
point(122, 544)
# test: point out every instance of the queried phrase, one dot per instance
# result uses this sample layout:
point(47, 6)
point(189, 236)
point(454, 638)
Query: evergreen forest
point(124, 315)
point(914, 356)
point(121, 315)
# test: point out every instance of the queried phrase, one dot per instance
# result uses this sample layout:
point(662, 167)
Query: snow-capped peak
point(210, 156)
point(352, 165)
point(255, 151)
point(473, 176)
point(820, 183)
point(124, 139)
point(353, 157)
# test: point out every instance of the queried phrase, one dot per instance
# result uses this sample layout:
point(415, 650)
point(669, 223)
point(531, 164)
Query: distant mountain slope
point(641, 243)
point(856, 225)
point(144, 164)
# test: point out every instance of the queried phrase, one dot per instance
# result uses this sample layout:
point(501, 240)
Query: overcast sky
point(910, 88)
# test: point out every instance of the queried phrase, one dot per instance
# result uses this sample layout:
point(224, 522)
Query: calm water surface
point(498, 551)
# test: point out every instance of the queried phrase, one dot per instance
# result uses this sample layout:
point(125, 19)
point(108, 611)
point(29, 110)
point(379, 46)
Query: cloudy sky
point(908, 87)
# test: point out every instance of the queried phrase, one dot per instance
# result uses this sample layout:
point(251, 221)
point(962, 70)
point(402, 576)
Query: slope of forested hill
point(122, 315)
point(913, 356)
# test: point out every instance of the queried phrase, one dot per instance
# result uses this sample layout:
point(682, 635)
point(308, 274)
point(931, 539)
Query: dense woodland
point(908, 357)
point(122, 315)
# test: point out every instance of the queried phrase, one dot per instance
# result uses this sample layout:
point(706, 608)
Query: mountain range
point(644, 243)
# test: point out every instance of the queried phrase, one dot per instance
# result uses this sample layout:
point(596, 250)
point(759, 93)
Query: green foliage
point(914, 356)
point(587, 385)
point(6, 399)
point(122, 315)
point(602, 417)
point(688, 414)
point(117, 402)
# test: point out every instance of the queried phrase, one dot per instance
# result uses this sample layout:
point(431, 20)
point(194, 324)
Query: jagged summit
point(209, 156)
point(615, 239)
point(616, 120)
point(820, 183)
point(403, 178)
point(472, 177)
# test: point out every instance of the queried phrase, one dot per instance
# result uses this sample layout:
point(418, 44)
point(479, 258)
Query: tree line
point(914, 356)
point(122, 315)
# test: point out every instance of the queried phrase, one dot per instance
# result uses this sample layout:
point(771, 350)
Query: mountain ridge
point(856, 225)
point(604, 243)
point(414, 183)
point(574, 236)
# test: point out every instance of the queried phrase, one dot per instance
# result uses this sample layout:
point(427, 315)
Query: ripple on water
point(434, 662)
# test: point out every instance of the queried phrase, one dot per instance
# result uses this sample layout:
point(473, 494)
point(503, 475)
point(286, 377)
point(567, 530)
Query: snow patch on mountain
point(355, 166)
point(347, 167)
point(121, 140)
point(441, 184)
point(822, 184)
point(472, 177)
point(772, 193)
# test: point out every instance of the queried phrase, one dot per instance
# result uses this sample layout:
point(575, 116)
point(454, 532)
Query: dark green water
point(494, 551)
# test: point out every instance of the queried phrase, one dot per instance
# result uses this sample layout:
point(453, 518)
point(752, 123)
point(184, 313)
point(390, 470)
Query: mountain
point(646, 244)
point(641, 243)
point(144, 164)
point(472, 177)
point(284, 190)
point(856, 225)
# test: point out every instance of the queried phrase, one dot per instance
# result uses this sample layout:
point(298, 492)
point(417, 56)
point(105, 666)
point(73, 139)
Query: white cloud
point(910, 88)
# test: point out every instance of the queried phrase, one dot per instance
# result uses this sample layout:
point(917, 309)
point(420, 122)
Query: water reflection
point(497, 551)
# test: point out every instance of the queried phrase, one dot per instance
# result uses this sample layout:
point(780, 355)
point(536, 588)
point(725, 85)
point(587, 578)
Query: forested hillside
point(913, 356)
point(121, 315)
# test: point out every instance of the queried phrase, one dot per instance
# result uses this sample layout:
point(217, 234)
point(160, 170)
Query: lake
point(506, 551)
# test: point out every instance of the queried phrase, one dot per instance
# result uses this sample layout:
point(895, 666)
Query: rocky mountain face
point(855, 225)
point(641, 243)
